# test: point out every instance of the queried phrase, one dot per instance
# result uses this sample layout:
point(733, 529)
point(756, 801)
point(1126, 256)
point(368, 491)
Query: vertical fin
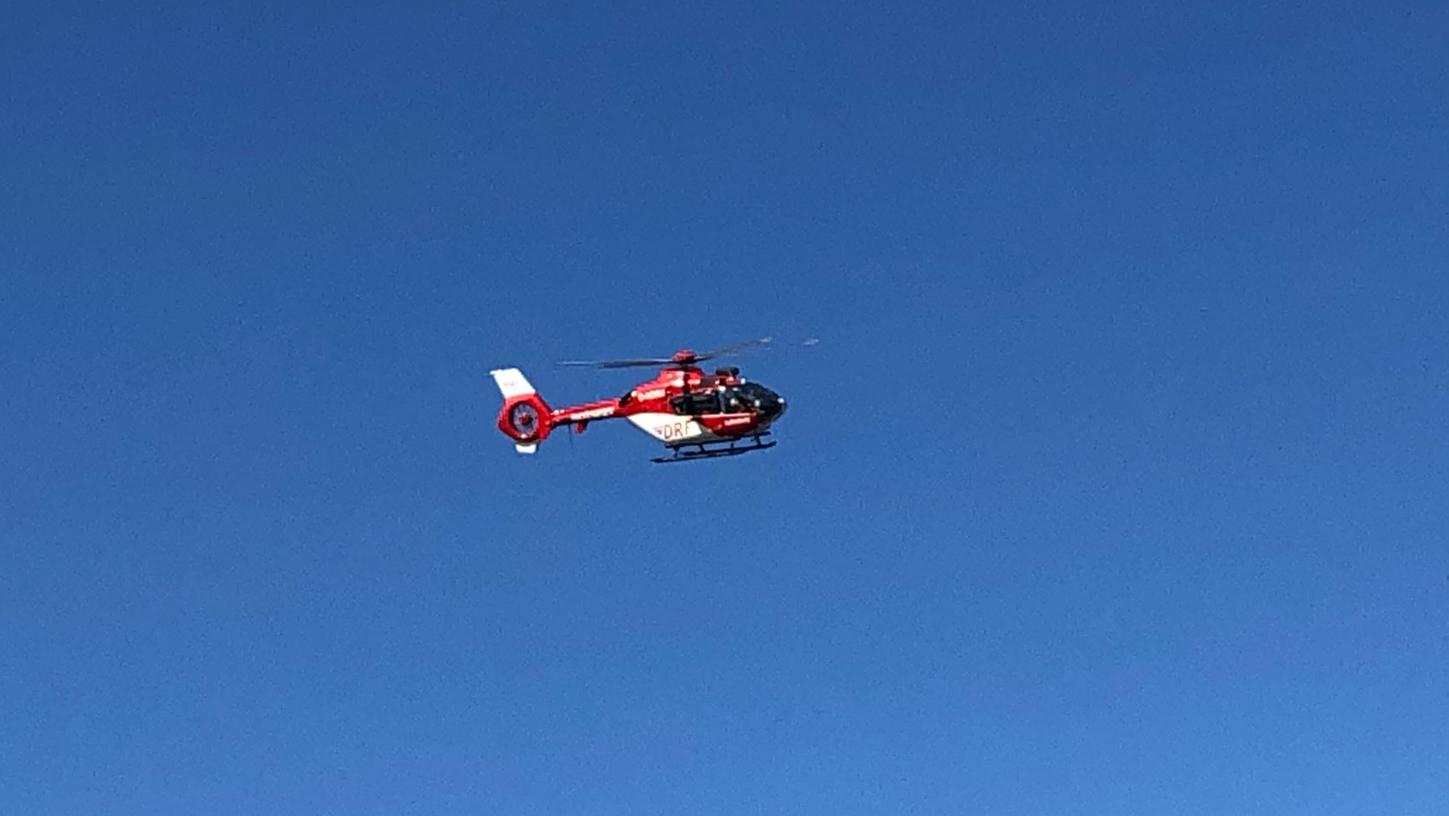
point(512, 382)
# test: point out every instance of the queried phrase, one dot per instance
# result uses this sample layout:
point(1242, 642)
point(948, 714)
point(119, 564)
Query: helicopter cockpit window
point(733, 402)
point(742, 398)
point(696, 403)
point(750, 392)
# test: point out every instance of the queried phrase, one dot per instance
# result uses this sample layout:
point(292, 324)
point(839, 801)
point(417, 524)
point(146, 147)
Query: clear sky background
point(1116, 485)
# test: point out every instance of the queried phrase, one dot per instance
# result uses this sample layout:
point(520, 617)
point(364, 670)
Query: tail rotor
point(525, 417)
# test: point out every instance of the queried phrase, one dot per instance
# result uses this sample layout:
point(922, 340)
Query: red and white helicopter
point(696, 415)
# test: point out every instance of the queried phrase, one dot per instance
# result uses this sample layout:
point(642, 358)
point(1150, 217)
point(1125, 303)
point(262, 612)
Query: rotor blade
point(664, 361)
point(651, 361)
point(737, 347)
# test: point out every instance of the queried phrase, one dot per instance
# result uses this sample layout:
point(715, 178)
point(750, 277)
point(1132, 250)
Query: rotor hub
point(524, 419)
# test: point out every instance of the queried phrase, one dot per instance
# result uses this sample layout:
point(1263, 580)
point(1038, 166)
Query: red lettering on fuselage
point(675, 431)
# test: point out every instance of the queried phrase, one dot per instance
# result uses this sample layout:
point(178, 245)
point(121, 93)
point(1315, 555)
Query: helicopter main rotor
point(684, 358)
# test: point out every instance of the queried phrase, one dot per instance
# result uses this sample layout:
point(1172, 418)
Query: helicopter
point(694, 414)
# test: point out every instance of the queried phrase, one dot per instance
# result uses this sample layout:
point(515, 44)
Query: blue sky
point(1115, 485)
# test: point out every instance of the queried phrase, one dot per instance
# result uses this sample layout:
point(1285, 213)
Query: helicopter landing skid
point(707, 450)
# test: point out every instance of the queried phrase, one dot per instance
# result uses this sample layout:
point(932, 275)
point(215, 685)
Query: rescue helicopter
point(696, 415)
